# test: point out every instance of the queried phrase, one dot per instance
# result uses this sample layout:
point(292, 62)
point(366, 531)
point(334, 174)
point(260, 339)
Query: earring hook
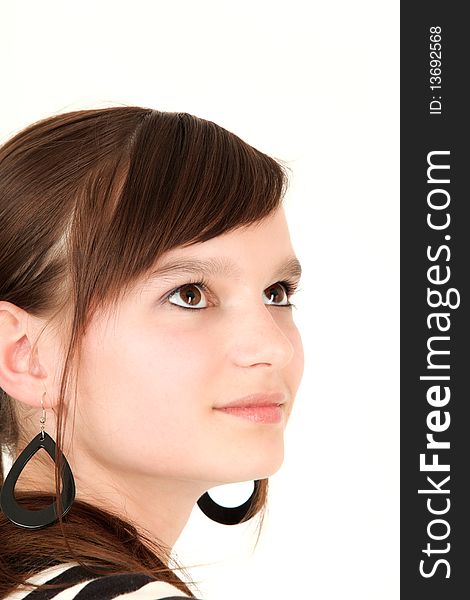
point(42, 420)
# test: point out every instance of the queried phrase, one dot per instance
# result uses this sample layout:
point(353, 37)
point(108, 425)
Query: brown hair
point(89, 200)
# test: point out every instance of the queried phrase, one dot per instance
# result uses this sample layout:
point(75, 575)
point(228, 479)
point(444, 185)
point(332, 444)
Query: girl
point(147, 345)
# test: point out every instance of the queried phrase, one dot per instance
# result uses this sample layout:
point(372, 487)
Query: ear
point(22, 376)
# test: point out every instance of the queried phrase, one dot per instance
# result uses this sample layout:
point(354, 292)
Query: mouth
point(259, 413)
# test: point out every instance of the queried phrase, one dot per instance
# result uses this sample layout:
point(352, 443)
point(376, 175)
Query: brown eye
point(276, 293)
point(190, 295)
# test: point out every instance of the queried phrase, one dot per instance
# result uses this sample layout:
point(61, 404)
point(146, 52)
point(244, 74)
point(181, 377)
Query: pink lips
point(260, 408)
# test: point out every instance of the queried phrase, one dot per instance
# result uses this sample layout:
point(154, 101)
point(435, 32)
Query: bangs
point(188, 180)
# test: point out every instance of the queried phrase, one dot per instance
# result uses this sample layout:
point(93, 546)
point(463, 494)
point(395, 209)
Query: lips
point(271, 413)
point(256, 400)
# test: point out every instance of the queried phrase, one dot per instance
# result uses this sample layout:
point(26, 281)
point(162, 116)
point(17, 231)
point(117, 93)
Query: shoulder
point(136, 586)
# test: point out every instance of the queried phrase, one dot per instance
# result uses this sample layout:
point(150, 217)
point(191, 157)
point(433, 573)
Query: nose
point(259, 337)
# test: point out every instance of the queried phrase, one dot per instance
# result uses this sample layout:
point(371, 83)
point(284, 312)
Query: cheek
point(175, 361)
point(147, 397)
point(164, 374)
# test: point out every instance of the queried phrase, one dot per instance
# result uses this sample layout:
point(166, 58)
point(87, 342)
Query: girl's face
point(152, 373)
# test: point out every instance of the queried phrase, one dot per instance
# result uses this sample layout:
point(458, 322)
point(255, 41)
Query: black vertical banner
point(435, 301)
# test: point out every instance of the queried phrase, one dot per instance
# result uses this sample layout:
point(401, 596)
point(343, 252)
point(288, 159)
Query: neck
point(157, 507)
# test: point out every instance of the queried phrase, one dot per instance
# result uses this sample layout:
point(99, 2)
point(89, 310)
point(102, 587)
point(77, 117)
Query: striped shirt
point(83, 586)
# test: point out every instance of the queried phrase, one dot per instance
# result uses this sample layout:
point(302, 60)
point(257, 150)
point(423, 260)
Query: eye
point(190, 294)
point(280, 291)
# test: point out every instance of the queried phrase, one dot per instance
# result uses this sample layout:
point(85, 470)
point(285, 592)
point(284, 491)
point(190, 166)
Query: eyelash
point(290, 287)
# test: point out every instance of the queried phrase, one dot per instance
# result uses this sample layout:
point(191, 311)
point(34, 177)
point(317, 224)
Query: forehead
point(266, 243)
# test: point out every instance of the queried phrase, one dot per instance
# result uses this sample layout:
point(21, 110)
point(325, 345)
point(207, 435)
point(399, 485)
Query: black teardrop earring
point(36, 519)
point(227, 515)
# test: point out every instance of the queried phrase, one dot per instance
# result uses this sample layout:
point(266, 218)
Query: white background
point(314, 83)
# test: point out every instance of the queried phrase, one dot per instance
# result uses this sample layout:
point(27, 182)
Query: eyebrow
point(220, 267)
